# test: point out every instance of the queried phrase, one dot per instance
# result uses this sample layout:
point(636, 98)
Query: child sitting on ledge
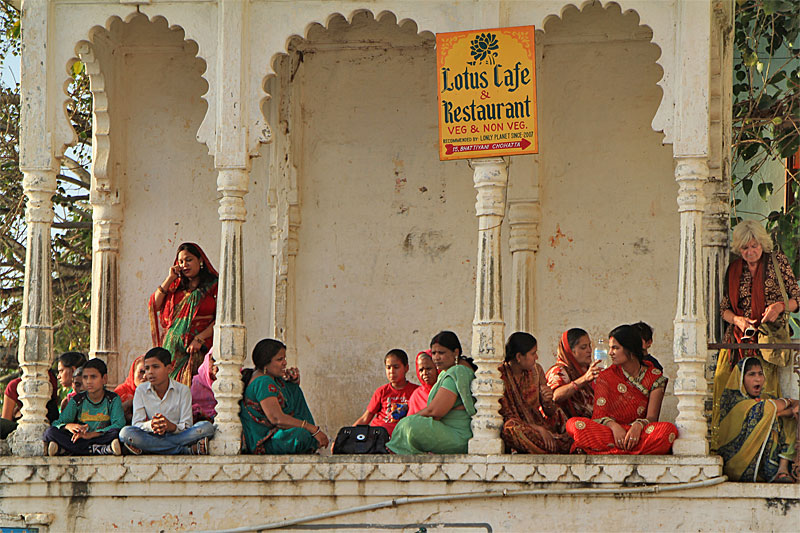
point(162, 413)
point(91, 420)
point(389, 402)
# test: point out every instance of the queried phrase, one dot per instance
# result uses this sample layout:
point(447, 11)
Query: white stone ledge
point(510, 471)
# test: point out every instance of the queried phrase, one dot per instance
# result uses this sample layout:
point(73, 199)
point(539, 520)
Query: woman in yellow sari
point(755, 292)
point(757, 433)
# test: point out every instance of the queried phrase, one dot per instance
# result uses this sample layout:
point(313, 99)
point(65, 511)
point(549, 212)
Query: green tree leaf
point(765, 190)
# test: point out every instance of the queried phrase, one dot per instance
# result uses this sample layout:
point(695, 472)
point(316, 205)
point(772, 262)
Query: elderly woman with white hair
point(755, 292)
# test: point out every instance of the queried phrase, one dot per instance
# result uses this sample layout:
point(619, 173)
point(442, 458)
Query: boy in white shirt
point(162, 413)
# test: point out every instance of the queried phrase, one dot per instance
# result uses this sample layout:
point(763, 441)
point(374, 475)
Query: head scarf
point(567, 358)
point(419, 398)
point(203, 400)
point(422, 382)
point(169, 303)
point(751, 437)
point(127, 388)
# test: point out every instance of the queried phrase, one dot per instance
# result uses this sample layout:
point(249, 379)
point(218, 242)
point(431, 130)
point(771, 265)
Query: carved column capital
point(490, 177)
point(691, 173)
point(524, 217)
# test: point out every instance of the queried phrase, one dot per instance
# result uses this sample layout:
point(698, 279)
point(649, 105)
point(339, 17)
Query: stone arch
point(662, 119)
point(147, 83)
point(85, 52)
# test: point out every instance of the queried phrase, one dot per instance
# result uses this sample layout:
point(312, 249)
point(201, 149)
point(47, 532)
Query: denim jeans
point(177, 443)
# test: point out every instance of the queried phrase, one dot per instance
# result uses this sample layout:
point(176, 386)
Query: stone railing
point(369, 492)
point(509, 470)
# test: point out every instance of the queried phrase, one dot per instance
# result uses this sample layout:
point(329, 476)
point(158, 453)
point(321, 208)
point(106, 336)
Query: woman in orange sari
point(627, 402)
point(184, 306)
point(532, 423)
point(572, 376)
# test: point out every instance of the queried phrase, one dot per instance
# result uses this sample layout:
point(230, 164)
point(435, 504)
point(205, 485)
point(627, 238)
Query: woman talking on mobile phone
point(183, 310)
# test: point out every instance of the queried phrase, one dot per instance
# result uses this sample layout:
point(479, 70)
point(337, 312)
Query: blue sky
point(9, 74)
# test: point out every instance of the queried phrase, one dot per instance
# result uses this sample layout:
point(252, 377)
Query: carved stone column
point(104, 340)
point(691, 173)
point(238, 131)
point(229, 334)
point(40, 132)
point(107, 219)
point(715, 254)
point(523, 218)
point(36, 332)
point(284, 206)
point(491, 178)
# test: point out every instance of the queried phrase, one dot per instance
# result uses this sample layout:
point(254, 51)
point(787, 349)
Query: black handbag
point(361, 439)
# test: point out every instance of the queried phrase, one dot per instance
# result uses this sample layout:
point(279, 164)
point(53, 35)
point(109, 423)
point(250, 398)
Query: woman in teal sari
point(274, 413)
point(443, 426)
point(757, 432)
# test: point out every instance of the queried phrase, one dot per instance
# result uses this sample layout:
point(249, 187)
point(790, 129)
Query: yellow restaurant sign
point(487, 93)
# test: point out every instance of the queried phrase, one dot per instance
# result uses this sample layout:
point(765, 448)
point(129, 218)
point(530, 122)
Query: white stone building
point(295, 141)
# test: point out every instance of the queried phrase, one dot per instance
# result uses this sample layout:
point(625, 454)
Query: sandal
point(783, 477)
point(200, 447)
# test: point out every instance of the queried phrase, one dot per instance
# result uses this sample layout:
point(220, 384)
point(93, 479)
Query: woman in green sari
point(757, 432)
point(274, 413)
point(443, 425)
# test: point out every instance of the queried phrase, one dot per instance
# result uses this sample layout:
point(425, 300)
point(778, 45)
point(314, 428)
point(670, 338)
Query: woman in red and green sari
point(183, 310)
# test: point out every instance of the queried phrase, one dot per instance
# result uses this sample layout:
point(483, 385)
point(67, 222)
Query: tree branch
point(9, 99)
point(72, 225)
point(73, 166)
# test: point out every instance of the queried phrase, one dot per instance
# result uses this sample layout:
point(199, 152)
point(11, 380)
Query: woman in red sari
point(627, 402)
point(184, 306)
point(572, 376)
point(532, 423)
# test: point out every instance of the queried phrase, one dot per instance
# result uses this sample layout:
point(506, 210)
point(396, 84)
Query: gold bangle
point(161, 290)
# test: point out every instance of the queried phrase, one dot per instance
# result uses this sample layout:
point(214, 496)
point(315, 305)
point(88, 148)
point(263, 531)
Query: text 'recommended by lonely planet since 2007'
point(487, 93)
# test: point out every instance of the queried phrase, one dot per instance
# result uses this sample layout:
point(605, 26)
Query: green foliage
point(72, 234)
point(766, 108)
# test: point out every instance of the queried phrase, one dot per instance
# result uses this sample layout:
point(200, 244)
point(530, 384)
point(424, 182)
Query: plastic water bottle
point(601, 352)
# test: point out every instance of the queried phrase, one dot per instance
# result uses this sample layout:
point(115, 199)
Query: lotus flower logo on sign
point(487, 93)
